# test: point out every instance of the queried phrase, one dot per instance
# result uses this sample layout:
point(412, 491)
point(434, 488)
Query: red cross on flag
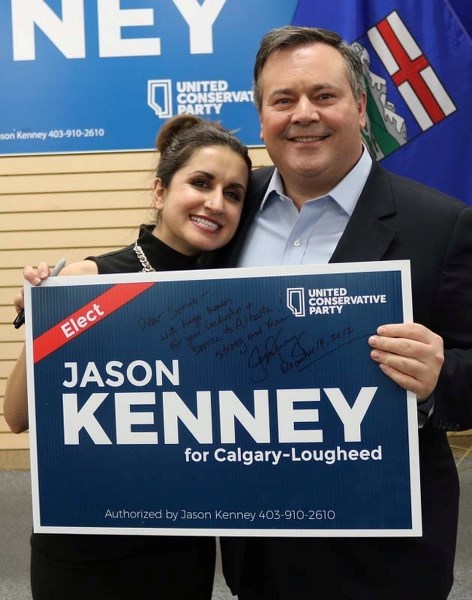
point(410, 71)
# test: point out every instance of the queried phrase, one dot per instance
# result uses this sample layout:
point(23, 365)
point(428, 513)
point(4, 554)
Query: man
point(327, 202)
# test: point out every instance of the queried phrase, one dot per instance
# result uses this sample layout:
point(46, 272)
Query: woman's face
point(201, 208)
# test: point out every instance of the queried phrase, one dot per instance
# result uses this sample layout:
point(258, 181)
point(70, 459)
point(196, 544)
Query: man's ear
point(158, 193)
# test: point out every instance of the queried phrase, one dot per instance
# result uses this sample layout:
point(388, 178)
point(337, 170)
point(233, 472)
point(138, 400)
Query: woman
point(198, 193)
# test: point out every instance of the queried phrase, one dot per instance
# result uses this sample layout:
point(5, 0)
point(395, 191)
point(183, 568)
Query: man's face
point(310, 121)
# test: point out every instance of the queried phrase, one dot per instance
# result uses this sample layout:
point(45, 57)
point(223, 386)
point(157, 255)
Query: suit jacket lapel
point(368, 234)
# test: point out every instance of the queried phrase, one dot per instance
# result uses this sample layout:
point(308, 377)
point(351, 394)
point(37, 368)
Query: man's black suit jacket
point(394, 219)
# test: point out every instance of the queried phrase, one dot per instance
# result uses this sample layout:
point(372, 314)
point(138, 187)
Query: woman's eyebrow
point(205, 173)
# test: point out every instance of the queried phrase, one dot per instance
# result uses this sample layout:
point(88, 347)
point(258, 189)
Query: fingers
point(413, 331)
point(36, 274)
point(19, 302)
point(410, 354)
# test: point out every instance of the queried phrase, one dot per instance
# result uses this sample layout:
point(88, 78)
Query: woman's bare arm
point(15, 405)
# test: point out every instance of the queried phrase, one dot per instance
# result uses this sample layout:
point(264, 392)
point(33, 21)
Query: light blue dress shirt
point(283, 235)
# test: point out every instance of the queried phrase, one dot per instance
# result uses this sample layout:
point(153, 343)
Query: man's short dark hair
point(292, 36)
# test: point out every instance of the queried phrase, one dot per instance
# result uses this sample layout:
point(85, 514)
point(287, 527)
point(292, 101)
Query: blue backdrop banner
point(246, 404)
point(104, 75)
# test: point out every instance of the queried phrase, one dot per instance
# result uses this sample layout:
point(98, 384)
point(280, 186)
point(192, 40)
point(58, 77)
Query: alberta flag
point(417, 57)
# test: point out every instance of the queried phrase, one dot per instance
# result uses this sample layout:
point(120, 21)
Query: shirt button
point(297, 243)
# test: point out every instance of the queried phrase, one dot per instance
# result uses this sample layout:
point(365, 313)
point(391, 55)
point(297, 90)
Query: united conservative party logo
point(202, 97)
point(327, 301)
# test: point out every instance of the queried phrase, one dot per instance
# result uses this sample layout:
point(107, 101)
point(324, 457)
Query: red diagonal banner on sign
point(86, 317)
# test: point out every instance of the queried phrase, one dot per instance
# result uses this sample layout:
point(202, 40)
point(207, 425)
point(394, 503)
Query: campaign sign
point(221, 402)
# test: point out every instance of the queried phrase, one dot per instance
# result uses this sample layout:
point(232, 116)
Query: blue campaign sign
point(232, 402)
point(103, 75)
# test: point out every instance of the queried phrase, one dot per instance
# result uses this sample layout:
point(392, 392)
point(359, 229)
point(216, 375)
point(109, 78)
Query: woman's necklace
point(142, 259)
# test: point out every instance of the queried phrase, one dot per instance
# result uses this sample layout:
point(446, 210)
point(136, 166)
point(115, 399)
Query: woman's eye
point(199, 183)
point(233, 195)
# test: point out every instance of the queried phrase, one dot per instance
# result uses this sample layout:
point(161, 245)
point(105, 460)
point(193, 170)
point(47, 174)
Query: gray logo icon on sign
point(160, 97)
point(296, 301)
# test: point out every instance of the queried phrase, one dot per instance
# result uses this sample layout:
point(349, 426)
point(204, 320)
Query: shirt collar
point(346, 193)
